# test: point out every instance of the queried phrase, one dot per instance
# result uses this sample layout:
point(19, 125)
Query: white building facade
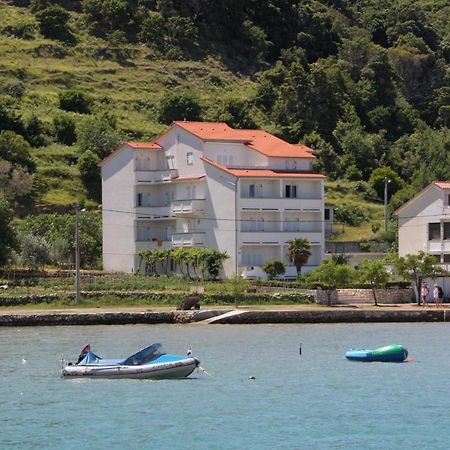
point(424, 223)
point(205, 184)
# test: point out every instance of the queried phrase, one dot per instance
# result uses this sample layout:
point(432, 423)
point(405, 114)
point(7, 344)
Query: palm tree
point(299, 253)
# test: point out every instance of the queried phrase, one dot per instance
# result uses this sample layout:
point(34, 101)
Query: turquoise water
point(316, 400)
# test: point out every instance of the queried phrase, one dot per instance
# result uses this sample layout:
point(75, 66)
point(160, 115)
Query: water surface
point(316, 400)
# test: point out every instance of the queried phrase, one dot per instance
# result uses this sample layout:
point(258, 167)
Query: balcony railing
point(277, 237)
point(439, 246)
point(281, 203)
point(155, 176)
point(150, 244)
point(189, 239)
point(189, 206)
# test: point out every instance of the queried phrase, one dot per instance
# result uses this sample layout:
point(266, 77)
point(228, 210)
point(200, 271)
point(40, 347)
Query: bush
point(64, 129)
point(53, 22)
point(350, 214)
point(75, 101)
point(178, 106)
point(274, 268)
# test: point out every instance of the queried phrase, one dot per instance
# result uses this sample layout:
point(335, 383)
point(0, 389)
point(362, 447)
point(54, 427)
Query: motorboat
point(150, 362)
point(389, 353)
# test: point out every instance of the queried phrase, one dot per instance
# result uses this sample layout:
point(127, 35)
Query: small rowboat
point(390, 353)
point(151, 362)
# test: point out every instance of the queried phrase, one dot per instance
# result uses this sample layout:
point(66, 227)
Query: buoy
point(252, 377)
point(300, 349)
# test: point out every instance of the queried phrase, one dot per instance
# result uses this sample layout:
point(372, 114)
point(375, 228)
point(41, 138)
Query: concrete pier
point(20, 318)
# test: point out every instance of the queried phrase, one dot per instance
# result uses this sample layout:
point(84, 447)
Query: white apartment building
point(245, 192)
point(424, 223)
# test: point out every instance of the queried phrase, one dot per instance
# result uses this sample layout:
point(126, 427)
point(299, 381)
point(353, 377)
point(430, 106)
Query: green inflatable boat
point(390, 353)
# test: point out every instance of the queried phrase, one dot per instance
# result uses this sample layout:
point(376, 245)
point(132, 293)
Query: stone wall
point(386, 296)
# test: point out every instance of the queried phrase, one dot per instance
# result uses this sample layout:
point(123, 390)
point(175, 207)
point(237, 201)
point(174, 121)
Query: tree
point(53, 22)
point(98, 136)
point(377, 181)
point(34, 250)
point(415, 268)
point(15, 149)
point(298, 251)
point(331, 275)
point(236, 113)
point(8, 240)
point(274, 268)
point(90, 173)
point(178, 106)
point(374, 272)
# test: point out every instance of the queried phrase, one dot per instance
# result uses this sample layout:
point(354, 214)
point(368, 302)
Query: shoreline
point(12, 317)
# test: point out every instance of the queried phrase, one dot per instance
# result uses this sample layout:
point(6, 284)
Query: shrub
point(274, 268)
point(53, 22)
point(64, 129)
point(75, 101)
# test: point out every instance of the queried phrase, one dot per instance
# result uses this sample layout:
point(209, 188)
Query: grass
point(130, 89)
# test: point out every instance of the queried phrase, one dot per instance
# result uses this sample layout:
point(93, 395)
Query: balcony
point(280, 204)
point(192, 207)
point(153, 245)
point(153, 212)
point(155, 176)
point(189, 239)
point(439, 246)
point(277, 237)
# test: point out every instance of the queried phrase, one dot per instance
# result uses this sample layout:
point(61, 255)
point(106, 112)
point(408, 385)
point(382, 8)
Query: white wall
point(118, 217)
point(303, 164)
point(235, 155)
point(413, 221)
point(221, 204)
point(179, 143)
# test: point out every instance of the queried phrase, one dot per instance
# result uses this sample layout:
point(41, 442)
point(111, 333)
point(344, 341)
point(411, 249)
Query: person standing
point(438, 295)
point(424, 294)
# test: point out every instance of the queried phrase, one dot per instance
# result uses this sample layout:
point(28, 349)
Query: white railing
point(281, 203)
point(439, 246)
point(150, 244)
point(154, 176)
point(188, 206)
point(189, 239)
point(278, 237)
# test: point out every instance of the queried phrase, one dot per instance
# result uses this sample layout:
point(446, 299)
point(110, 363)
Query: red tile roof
point(264, 173)
point(442, 184)
point(258, 140)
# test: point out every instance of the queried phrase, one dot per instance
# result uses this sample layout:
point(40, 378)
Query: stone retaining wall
point(241, 317)
point(387, 296)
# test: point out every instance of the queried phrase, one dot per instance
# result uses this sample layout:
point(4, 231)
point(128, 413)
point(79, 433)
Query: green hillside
point(365, 83)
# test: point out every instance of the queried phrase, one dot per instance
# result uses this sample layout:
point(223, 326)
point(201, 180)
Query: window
point(251, 190)
point(139, 199)
point(446, 230)
point(448, 200)
point(327, 213)
point(290, 191)
point(189, 158)
point(434, 231)
point(447, 258)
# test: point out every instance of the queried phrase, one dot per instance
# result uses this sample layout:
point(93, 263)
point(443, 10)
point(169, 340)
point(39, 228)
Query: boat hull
point(175, 369)
point(390, 353)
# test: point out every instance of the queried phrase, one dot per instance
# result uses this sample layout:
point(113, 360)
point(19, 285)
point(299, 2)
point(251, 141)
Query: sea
point(261, 387)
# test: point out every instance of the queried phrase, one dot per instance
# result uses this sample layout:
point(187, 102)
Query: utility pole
point(386, 182)
point(77, 253)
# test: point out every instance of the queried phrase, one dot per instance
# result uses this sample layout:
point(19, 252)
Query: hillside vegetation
point(363, 82)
